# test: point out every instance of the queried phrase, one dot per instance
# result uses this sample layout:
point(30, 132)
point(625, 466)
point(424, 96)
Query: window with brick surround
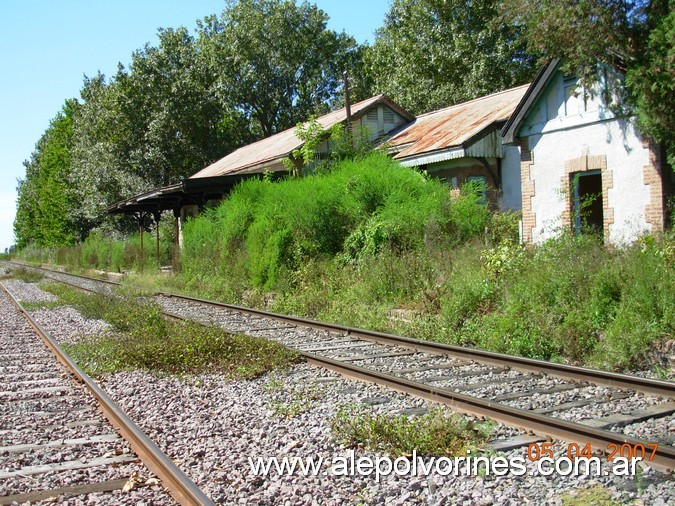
point(589, 165)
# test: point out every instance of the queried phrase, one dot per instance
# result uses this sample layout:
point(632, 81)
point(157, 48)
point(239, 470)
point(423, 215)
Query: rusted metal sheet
point(269, 152)
point(488, 146)
point(457, 126)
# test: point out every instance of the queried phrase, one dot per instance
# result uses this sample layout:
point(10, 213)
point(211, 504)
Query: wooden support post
point(348, 107)
point(140, 218)
point(157, 215)
point(176, 214)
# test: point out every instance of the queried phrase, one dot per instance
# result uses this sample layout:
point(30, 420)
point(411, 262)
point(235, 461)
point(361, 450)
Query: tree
point(154, 123)
point(276, 61)
point(435, 53)
point(179, 106)
point(651, 79)
point(44, 203)
point(580, 32)
point(177, 123)
point(637, 35)
point(103, 141)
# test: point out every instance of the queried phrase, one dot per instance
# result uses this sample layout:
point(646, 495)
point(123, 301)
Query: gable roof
point(456, 126)
point(271, 150)
point(510, 129)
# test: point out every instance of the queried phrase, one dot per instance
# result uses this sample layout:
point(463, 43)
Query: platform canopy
point(175, 196)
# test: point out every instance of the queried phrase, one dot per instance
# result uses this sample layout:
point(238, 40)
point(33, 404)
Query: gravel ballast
point(46, 419)
point(211, 427)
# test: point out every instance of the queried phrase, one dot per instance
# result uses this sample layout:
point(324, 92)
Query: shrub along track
point(35, 387)
point(574, 404)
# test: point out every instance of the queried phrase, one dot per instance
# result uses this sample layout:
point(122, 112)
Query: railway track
point(555, 401)
point(62, 437)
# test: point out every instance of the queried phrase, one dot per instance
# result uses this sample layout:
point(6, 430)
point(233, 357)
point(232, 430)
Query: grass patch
point(92, 306)
point(291, 409)
point(26, 275)
point(44, 304)
point(435, 433)
point(143, 339)
point(180, 348)
point(593, 496)
point(290, 402)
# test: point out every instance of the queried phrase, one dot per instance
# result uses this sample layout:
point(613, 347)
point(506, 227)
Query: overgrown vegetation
point(27, 275)
point(352, 212)
point(357, 247)
point(371, 244)
point(114, 253)
point(596, 495)
point(142, 338)
point(435, 433)
point(289, 402)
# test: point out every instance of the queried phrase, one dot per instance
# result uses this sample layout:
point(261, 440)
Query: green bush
point(26, 275)
point(355, 210)
point(435, 433)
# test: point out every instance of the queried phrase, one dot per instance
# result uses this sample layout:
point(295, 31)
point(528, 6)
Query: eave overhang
point(509, 132)
point(173, 197)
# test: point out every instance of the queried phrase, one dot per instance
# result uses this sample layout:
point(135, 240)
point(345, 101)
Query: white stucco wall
point(565, 103)
point(511, 198)
point(619, 141)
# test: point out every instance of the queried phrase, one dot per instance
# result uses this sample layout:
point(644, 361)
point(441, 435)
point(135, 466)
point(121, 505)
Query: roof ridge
point(335, 111)
point(473, 100)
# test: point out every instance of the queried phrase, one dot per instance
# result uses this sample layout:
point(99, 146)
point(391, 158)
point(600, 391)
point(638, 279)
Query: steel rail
point(598, 377)
point(88, 278)
point(551, 427)
point(576, 373)
point(556, 428)
point(664, 456)
point(177, 483)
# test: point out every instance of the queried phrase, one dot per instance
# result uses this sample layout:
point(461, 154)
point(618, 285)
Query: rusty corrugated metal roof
point(453, 126)
point(257, 156)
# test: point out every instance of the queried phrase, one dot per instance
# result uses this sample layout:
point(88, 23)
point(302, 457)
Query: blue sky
point(47, 47)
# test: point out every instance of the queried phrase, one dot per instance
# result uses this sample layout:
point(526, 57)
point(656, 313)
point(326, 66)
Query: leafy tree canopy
point(44, 202)
point(434, 53)
point(276, 61)
point(651, 80)
point(259, 67)
point(151, 125)
point(638, 35)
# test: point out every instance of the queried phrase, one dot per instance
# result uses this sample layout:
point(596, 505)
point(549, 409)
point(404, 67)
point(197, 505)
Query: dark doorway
point(588, 217)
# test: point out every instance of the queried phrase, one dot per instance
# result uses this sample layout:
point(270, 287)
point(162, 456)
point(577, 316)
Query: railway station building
point(457, 144)
point(462, 143)
point(584, 166)
point(557, 150)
